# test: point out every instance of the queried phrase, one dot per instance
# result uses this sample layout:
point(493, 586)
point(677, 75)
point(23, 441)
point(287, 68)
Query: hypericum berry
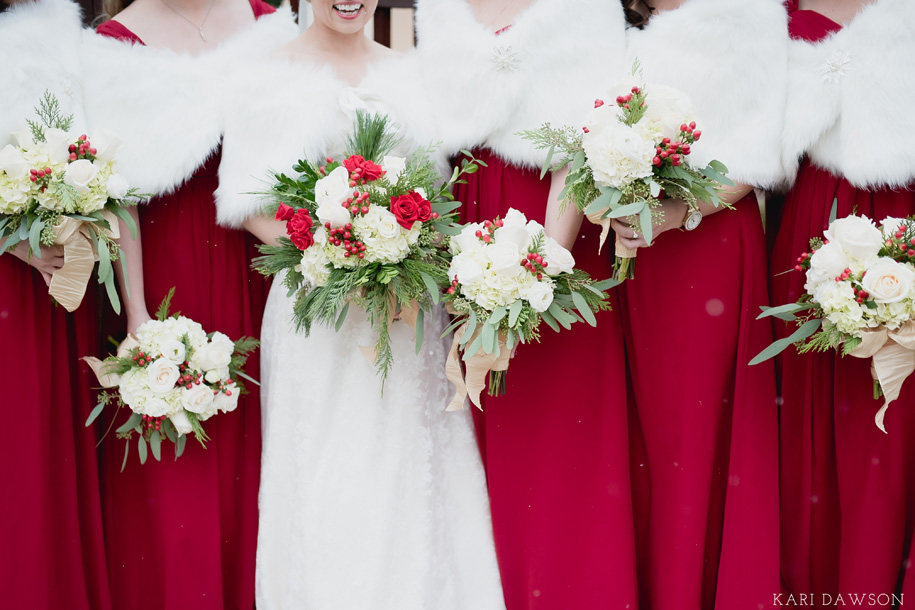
point(73, 156)
point(696, 134)
point(479, 234)
point(585, 129)
point(487, 238)
point(598, 103)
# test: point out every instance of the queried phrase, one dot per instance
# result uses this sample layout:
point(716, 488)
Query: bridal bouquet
point(860, 300)
point(506, 277)
point(173, 376)
point(366, 231)
point(628, 156)
point(60, 189)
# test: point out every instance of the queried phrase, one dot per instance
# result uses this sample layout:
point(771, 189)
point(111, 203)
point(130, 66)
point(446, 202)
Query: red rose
point(298, 227)
point(370, 171)
point(409, 208)
point(284, 212)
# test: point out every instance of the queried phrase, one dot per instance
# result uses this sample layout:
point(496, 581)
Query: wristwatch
point(692, 219)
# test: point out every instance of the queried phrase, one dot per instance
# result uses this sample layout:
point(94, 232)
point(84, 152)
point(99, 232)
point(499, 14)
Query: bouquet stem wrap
point(598, 219)
point(108, 380)
point(478, 367)
point(68, 285)
point(893, 360)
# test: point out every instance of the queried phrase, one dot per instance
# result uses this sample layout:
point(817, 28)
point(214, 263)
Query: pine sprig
point(373, 136)
point(162, 313)
point(50, 116)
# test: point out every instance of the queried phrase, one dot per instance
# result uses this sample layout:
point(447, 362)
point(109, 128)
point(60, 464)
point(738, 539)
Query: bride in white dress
point(366, 502)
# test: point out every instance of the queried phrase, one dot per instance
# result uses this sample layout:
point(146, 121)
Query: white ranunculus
point(504, 258)
point(174, 351)
point(162, 375)
point(58, 144)
point(13, 163)
point(857, 234)
point(106, 144)
point(618, 155)
point(558, 259)
point(197, 399)
point(513, 235)
point(539, 295)
point(393, 166)
point(224, 403)
point(79, 174)
point(117, 186)
point(467, 270)
point(24, 139)
point(889, 281)
point(827, 263)
point(333, 188)
point(182, 423)
point(467, 240)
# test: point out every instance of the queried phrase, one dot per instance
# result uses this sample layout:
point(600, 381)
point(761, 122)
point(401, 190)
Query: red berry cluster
point(490, 226)
point(534, 263)
point(344, 237)
point(803, 262)
point(41, 177)
point(454, 285)
point(623, 100)
point(222, 387)
point(860, 294)
point(82, 149)
point(359, 202)
point(900, 249)
point(144, 359)
point(150, 422)
point(188, 378)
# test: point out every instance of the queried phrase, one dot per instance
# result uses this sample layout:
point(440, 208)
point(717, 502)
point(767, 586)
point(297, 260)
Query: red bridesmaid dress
point(555, 446)
point(182, 534)
point(847, 505)
point(51, 534)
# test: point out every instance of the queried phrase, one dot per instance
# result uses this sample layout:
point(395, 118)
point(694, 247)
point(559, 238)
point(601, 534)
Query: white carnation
point(617, 154)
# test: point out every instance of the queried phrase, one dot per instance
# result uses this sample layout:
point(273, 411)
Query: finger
point(634, 244)
point(624, 230)
point(46, 277)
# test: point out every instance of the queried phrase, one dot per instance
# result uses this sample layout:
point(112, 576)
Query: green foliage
point(373, 136)
point(49, 116)
point(162, 313)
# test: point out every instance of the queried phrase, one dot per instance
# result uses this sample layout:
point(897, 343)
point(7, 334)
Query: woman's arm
point(563, 227)
point(674, 214)
point(132, 251)
point(266, 229)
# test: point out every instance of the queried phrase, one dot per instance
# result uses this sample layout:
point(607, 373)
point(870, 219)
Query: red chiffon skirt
point(182, 534)
point(847, 489)
point(51, 543)
point(555, 446)
point(706, 476)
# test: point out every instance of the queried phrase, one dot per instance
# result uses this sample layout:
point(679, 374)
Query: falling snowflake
point(505, 59)
point(836, 67)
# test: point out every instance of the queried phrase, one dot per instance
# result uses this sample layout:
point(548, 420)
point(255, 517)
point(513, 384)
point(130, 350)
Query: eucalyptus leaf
point(95, 413)
point(431, 286)
point(488, 333)
point(420, 329)
point(514, 312)
point(582, 306)
point(130, 424)
point(35, 237)
point(785, 312)
point(473, 348)
point(471, 327)
point(806, 330)
point(630, 209)
point(645, 222)
point(550, 320)
point(141, 447)
point(546, 164)
point(126, 453)
point(155, 443)
point(179, 445)
point(341, 318)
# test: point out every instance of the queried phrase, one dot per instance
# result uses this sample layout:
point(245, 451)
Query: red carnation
point(409, 208)
point(284, 212)
point(298, 227)
point(370, 171)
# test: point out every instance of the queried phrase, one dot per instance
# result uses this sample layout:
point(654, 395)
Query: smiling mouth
point(349, 10)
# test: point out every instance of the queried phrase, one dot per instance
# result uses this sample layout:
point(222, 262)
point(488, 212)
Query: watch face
point(692, 221)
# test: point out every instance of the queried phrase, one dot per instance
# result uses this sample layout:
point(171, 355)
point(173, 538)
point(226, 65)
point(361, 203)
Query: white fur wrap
point(165, 106)
point(850, 98)
point(549, 67)
point(730, 57)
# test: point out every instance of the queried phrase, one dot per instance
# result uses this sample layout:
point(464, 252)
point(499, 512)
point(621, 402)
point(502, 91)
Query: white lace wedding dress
point(367, 501)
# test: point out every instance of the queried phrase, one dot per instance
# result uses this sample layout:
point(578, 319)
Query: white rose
point(106, 144)
point(24, 139)
point(513, 235)
point(539, 295)
point(79, 174)
point(827, 263)
point(668, 108)
point(333, 188)
point(467, 240)
point(467, 270)
point(155, 407)
point(618, 155)
point(162, 375)
point(174, 351)
point(558, 259)
point(197, 399)
point(514, 218)
point(13, 163)
point(889, 281)
point(58, 144)
point(334, 213)
point(394, 166)
point(117, 186)
point(383, 222)
point(857, 234)
point(182, 423)
point(214, 356)
point(504, 258)
point(226, 403)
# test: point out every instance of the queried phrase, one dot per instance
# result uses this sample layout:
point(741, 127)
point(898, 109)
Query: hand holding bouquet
point(366, 231)
point(506, 277)
point(860, 299)
point(173, 376)
point(60, 189)
point(629, 155)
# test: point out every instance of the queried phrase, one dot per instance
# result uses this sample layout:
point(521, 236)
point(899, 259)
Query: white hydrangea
point(385, 240)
